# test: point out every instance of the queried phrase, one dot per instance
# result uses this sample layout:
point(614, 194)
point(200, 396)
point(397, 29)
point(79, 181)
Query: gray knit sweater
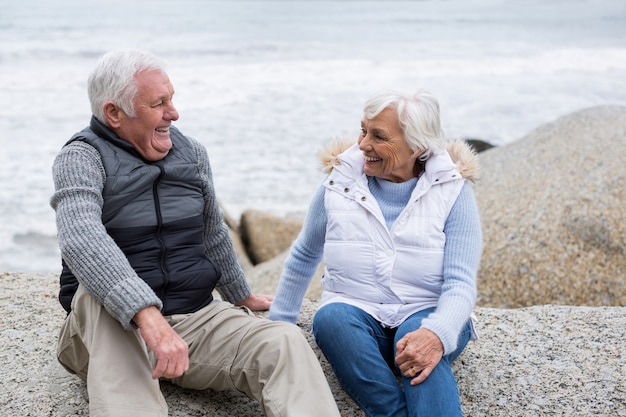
point(95, 259)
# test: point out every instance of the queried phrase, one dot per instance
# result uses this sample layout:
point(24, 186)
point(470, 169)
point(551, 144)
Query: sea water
point(265, 84)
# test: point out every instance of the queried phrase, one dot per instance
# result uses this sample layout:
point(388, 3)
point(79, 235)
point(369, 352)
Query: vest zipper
point(163, 249)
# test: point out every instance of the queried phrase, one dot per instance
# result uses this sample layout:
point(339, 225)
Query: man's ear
point(113, 114)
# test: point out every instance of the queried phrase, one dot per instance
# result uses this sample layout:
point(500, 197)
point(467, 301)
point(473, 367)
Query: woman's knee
point(336, 323)
point(333, 318)
point(338, 313)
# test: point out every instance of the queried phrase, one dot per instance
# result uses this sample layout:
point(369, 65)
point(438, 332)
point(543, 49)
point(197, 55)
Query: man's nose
point(172, 113)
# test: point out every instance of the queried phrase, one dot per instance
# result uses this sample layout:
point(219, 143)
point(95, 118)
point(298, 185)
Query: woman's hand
point(418, 353)
point(257, 302)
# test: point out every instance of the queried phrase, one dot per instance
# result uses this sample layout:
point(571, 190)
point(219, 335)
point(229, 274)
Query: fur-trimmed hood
point(461, 153)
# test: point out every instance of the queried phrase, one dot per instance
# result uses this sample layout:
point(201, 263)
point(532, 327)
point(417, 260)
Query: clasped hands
point(171, 351)
point(418, 353)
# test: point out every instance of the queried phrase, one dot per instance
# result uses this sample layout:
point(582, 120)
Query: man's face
point(149, 130)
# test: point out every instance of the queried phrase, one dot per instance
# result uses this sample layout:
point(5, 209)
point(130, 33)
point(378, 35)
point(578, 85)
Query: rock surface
point(535, 361)
point(263, 278)
point(267, 236)
point(552, 209)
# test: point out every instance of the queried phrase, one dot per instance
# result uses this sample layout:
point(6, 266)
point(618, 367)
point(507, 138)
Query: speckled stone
point(264, 277)
point(552, 209)
point(537, 361)
point(267, 236)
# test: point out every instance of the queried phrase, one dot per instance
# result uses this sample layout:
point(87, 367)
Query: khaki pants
point(229, 349)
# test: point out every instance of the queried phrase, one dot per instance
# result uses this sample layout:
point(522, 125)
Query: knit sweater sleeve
point(91, 254)
point(462, 253)
point(218, 244)
point(305, 254)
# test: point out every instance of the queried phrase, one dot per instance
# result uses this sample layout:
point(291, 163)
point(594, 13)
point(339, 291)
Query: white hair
point(418, 115)
point(113, 79)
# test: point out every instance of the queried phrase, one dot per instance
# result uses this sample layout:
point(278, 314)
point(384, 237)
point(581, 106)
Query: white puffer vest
point(391, 274)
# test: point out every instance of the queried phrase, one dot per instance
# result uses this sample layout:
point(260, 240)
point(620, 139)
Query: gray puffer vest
point(154, 212)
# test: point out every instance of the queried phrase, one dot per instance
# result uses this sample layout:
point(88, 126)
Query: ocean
point(265, 84)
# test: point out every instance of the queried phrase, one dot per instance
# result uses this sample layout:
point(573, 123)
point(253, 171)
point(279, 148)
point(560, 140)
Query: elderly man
point(144, 245)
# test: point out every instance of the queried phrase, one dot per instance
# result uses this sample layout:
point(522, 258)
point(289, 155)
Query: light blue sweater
point(463, 247)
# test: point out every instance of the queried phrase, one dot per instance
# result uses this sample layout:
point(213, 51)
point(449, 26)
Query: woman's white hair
point(418, 115)
point(113, 79)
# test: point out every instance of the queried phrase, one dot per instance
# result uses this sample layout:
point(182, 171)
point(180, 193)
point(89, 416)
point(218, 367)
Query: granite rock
point(264, 277)
point(552, 209)
point(537, 361)
point(266, 236)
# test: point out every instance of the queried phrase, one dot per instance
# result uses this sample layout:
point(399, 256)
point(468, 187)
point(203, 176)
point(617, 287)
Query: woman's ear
point(418, 153)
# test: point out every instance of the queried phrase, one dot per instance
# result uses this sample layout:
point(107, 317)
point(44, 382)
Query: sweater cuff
point(448, 339)
point(128, 298)
point(277, 314)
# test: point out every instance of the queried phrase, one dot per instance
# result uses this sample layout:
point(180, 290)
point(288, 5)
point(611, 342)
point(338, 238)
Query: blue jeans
point(361, 353)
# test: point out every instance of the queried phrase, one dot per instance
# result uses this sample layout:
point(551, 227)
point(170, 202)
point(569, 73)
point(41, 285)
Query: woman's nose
point(364, 143)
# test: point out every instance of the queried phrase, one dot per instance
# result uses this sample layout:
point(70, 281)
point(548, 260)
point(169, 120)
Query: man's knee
point(287, 336)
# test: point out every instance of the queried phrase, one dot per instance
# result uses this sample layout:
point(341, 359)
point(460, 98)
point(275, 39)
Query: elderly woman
point(397, 226)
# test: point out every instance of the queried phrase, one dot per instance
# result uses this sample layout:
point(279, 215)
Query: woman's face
point(385, 152)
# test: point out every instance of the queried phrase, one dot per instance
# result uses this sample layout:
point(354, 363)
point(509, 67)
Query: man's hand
point(257, 302)
point(170, 349)
point(418, 353)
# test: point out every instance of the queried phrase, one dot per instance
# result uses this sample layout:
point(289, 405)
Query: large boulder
point(552, 208)
point(542, 360)
point(266, 236)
